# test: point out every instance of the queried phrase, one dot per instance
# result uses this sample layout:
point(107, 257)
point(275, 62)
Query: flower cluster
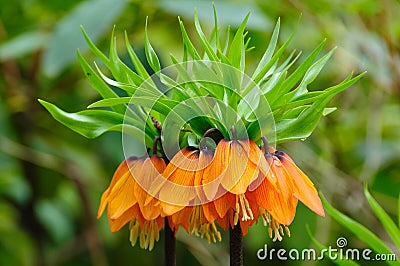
point(237, 183)
point(203, 124)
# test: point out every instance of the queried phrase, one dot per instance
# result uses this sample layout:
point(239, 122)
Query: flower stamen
point(242, 204)
point(202, 229)
point(147, 235)
point(276, 231)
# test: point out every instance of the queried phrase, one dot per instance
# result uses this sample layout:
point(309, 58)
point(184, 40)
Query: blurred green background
point(51, 178)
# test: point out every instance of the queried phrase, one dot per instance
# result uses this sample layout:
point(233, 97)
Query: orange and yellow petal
point(213, 174)
point(119, 196)
point(240, 171)
point(179, 189)
point(149, 171)
point(304, 189)
point(130, 214)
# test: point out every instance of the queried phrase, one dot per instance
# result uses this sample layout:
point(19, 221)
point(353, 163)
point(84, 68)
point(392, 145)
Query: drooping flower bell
point(244, 182)
point(179, 198)
point(278, 189)
point(124, 196)
point(234, 167)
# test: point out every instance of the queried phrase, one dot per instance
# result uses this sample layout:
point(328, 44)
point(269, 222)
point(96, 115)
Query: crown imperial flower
point(206, 127)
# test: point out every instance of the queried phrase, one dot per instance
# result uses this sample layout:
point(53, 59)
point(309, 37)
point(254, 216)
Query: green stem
point(236, 246)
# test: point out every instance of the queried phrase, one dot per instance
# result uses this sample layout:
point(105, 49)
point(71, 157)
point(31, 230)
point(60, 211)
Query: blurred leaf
point(66, 37)
point(16, 248)
point(23, 44)
point(54, 220)
point(386, 221)
point(337, 261)
point(225, 9)
point(359, 230)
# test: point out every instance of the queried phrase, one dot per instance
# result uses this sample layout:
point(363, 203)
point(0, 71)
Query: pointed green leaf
point(302, 126)
point(187, 43)
point(270, 49)
point(150, 53)
point(264, 70)
point(385, 219)
point(236, 54)
point(119, 70)
point(94, 48)
point(228, 33)
point(296, 76)
point(140, 69)
point(186, 78)
point(88, 123)
point(110, 102)
point(271, 86)
point(130, 88)
point(97, 83)
point(216, 30)
point(312, 74)
point(328, 111)
point(203, 40)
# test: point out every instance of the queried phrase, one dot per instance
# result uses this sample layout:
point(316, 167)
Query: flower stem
point(169, 245)
point(265, 145)
point(236, 245)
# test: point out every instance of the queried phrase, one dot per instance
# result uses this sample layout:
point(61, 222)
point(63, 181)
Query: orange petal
point(180, 160)
point(240, 171)
point(205, 160)
point(179, 190)
point(120, 204)
point(254, 152)
point(304, 188)
point(103, 202)
point(128, 215)
point(149, 171)
point(182, 217)
point(210, 212)
point(122, 196)
point(213, 174)
point(265, 171)
point(122, 169)
point(277, 198)
point(225, 203)
point(282, 203)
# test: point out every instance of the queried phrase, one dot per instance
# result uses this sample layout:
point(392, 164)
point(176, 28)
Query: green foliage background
point(51, 178)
